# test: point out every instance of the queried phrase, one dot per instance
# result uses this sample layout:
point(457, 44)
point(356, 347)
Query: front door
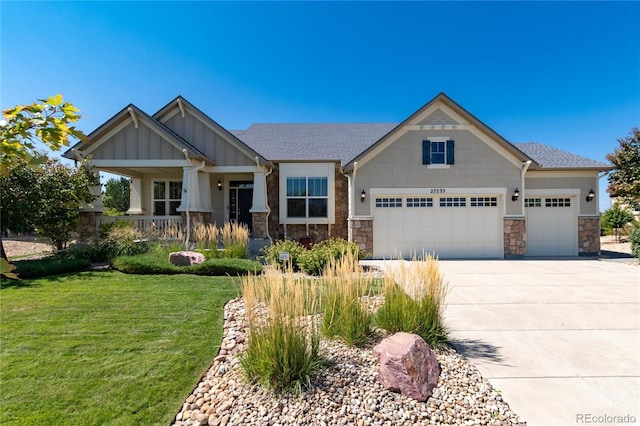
point(240, 199)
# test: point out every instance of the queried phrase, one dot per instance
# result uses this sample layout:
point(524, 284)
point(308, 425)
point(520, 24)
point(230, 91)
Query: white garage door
point(451, 227)
point(552, 228)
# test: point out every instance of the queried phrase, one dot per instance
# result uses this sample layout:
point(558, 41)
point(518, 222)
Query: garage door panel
point(551, 226)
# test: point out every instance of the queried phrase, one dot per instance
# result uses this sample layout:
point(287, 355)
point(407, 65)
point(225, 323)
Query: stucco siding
point(208, 141)
point(477, 165)
point(583, 183)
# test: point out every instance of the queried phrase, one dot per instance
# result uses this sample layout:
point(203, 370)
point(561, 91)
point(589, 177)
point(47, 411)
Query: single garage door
point(552, 228)
point(449, 226)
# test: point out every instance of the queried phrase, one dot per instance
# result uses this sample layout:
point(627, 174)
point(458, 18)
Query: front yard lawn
point(102, 347)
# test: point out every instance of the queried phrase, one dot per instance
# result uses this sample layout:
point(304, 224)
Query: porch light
point(363, 196)
point(219, 185)
point(515, 195)
point(591, 195)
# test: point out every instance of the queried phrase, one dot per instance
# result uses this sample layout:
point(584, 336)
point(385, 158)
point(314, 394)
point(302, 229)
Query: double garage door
point(448, 226)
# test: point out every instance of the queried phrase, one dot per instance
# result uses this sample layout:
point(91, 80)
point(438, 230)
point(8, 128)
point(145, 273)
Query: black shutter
point(450, 156)
point(426, 152)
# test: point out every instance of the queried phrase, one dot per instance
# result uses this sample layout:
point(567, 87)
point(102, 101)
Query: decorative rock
point(186, 258)
point(407, 365)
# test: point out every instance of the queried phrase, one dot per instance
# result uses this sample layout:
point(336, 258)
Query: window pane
point(318, 186)
point(317, 207)
point(296, 187)
point(159, 208)
point(173, 207)
point(158, 190)
point(437, 152)
point(296, 207)
point(175, 189)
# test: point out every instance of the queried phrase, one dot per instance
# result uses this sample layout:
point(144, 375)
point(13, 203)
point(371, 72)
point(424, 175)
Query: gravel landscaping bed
point(345, 392)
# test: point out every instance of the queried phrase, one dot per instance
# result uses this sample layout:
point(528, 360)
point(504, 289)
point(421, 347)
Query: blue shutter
point(450, 156)
point(426, 152)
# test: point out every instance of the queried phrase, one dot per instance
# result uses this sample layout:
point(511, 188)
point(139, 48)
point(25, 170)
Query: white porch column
point(259, 203)
point(96, 190)
point(204, 180)
point(190, 200)
point(135, 197)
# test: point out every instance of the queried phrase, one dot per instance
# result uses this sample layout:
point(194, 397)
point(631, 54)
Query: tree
point(116, 195)
point(616, 218)
point(47, 199)
point(47, 120)
point(624, 180)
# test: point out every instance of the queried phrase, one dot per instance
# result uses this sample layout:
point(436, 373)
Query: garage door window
point(533, 202)
point(484, 202)
point(419, 202)
point(557, 202)
point(388, 202)
point(453, 202)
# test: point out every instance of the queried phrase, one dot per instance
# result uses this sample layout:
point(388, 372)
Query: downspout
point(351, 179)
point(191, 172)
point(600, 176)
point(257, 160)
point(523, 170)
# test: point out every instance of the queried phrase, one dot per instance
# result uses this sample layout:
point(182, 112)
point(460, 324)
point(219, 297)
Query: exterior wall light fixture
point(515, 195)
point(363, 196)
point(590, 196)
point(219, 185)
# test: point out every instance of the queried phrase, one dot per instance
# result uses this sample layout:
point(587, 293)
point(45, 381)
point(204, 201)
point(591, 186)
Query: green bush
point(157, 262)
point(121, 238)
point(271, 254)
point(315, 260)
point(634, 237)
point(50, 266)
point(416, 303)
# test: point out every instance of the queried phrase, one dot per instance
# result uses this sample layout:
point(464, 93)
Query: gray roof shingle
point(345, 141)
point(549, 157)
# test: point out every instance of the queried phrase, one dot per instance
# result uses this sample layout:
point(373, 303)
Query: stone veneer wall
point(362, 234)
point(515, 230)
point(259, 223)
point(588, 235)
point(87, 225)
point(319, 232)
point(202, 217)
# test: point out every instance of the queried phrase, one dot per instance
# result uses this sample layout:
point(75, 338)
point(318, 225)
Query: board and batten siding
point(142, 143)
point(211, 143)
point(400, 166)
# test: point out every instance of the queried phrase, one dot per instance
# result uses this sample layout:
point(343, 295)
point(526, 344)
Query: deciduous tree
point(116, 195)
point(624, 179)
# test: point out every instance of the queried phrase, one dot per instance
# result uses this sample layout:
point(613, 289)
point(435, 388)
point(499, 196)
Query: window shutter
point(450, 156)
point(426, 152)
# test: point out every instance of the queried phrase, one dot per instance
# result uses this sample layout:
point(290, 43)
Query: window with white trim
point(438, 151)
point(385, 202)
point(484, 202)
point(419, 202)
point(166, 197)
point(557, 202)
point(307, 197)
point(533, 202)
point(453, 202)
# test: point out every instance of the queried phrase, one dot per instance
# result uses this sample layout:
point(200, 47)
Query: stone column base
point(361, 233)
point(515, 232)
point(259, 222)
point(588, 236)
point(87, 225)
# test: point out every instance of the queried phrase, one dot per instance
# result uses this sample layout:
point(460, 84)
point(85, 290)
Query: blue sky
point(562, 74)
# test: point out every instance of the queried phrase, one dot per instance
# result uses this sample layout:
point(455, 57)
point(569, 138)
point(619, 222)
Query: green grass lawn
point(102, 347)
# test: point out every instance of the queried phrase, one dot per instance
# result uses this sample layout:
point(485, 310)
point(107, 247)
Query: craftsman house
point(441, 181)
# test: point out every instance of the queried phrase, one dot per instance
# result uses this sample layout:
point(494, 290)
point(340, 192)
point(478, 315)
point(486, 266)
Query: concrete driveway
point(559, 338)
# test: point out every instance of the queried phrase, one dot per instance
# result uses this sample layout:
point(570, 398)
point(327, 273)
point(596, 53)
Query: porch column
point(135, 197)
point(259, 206)
point(190, 200)
point(96, 190)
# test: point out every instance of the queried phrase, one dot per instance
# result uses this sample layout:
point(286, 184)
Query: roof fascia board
point(173, 108)
point(560, 173)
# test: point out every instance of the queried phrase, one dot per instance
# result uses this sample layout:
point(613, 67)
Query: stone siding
point(259, 223)
point(319, 232)
point(87, 229)
point(588, 235)
point(515, 231)
point(202, 217)
point(362, 234)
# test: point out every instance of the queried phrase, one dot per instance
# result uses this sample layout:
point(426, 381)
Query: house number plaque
point(437, 191)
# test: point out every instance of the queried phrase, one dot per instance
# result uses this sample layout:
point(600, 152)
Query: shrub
point(206, 236)
point(314, 261)
point(50, 266)
point(157, 262)
point(634, 237)
point(282, 350)
point(345, 315)
point(121, 238)
point(416, 303)
point(271, 253)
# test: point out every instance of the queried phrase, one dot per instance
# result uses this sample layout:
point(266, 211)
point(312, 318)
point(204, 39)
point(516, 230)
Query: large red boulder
point(407, 365)
point(186, 258)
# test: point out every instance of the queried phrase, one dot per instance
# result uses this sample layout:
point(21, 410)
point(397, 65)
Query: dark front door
point(240, 199)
